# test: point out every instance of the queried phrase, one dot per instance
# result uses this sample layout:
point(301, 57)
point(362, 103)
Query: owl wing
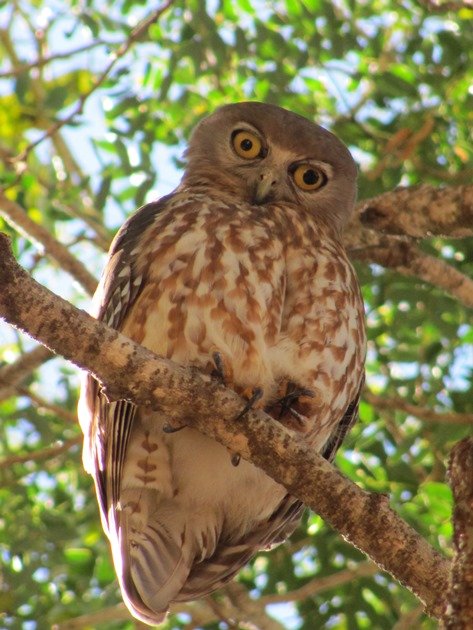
point(107, 426)
point(344, 427)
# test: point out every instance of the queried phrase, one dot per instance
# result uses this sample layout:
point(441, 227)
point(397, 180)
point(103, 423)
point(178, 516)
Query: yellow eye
point(308, 177)
point(246, 144)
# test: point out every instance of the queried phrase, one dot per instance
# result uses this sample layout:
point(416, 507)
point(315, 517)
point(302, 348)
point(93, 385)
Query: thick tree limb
point(420, 211)
point(130, 371)
point(459, 615)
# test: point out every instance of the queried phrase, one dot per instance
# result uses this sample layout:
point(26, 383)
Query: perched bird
point(239, 272)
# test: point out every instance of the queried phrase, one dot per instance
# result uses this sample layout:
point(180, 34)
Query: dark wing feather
point(109, 424)
point(344, 426)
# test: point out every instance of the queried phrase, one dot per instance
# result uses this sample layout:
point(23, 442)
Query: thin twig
point(42, 403)
point(16, 216)
point(321, 584)
point(135, 35)
point(13, 374)
point(423, 413)
point(20, 68)
point(41, 454)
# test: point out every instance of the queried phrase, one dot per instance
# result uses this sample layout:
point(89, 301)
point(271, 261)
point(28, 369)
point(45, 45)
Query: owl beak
point(264, 186)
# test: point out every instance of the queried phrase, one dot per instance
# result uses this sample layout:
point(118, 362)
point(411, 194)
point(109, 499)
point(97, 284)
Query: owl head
point(263, 154)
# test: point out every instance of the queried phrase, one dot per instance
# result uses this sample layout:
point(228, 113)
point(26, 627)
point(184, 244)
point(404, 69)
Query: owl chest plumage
point(215, 281)
point(270, 291)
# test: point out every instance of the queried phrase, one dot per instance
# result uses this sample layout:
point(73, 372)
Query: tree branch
point(134, 36)
point(16, 216)
point(12, 375)
point(129, 371)
point(321, 584)
point(22, 67)
point(43, 453)
point(459, 614)
point(448, 417)
point(406, 258)
point(420, 211)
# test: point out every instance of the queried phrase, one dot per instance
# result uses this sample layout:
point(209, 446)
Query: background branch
point(135, 35)
point(420, 211)
point(16, 216)
point(459, 614)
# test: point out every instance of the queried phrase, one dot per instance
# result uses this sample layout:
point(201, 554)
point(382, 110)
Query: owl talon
point(235, 459)
point(255, 396)
point(168, 428)
point(302, 420)
point(219, 371)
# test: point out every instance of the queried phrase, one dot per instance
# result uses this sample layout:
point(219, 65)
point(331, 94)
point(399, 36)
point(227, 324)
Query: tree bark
point(459, 613)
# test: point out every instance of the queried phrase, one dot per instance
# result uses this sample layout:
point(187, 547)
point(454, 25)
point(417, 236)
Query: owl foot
point(256, 394)
point(292, 406)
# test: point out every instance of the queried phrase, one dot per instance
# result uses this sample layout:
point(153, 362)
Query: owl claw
point(235, 459)
point(256, 395)
point(168, 428)
point(219, 371)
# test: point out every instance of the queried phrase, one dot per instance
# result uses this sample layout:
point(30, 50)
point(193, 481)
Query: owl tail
point(153, 559)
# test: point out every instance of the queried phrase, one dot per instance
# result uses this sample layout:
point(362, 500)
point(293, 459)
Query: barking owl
point(240, 272)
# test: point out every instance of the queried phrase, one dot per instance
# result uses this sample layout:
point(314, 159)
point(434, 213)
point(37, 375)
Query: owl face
point(264, 154)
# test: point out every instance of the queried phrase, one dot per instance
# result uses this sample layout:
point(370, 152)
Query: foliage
point(394, 81)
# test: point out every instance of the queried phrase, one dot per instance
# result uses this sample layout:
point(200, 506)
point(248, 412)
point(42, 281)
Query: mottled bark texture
point(421, 211)
point(130, 371)
point(459, 615)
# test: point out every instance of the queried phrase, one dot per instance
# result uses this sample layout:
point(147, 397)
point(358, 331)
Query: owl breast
point(215, 282)
point(277, 300)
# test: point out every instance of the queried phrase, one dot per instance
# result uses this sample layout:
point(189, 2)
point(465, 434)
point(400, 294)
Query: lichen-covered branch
point(129, 371)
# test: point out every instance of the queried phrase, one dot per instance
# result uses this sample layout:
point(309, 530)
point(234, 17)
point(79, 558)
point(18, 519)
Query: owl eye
point(247, 145)
point(308, 177)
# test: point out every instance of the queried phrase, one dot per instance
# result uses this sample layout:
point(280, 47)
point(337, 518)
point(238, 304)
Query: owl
point(240, 273)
